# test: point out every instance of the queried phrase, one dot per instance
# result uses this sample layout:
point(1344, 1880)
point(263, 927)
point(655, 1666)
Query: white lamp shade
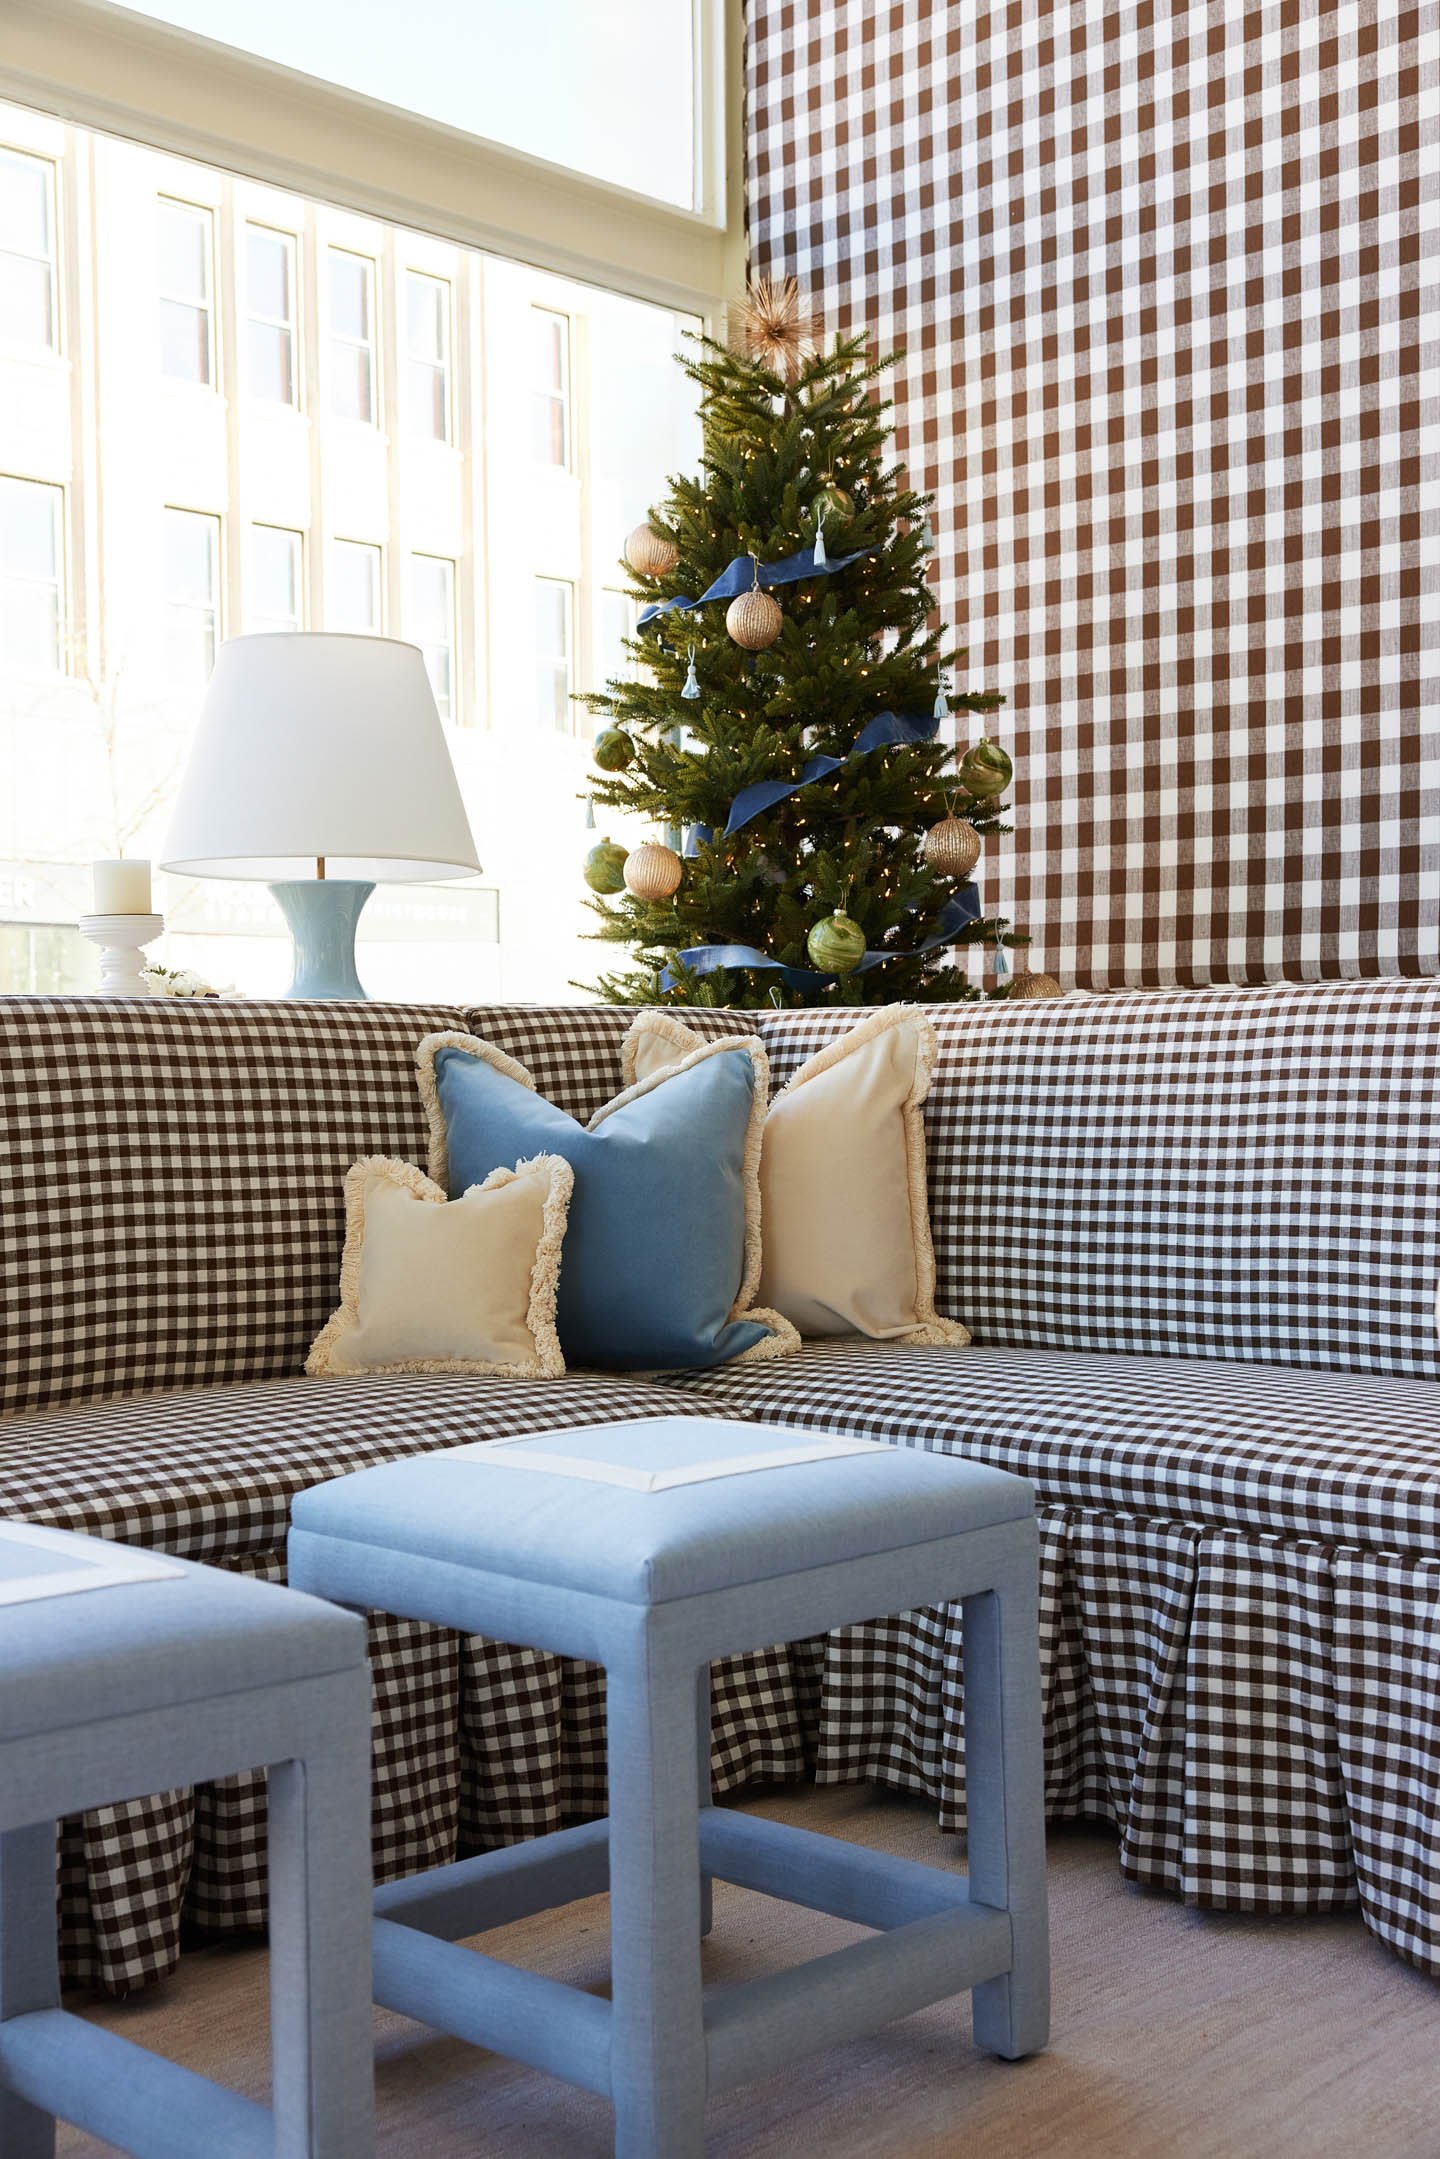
point(311, 743)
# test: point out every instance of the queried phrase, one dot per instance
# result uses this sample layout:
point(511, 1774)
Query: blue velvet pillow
point(662, 1249)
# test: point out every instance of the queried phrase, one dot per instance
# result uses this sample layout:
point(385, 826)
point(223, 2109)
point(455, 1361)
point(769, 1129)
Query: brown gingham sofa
point(1195, 1234)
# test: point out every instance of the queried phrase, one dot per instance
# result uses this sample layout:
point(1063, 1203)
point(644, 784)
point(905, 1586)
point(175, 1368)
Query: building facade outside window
point(32, 594)
point(432, 625)
point(270, 305)
point(427, 340)
point(554, 650)
point(192, 597)
point(29, 296)
point(352, 335)
point(550, 407)
point(353, 588)
point(277, 588)
point(185, 247)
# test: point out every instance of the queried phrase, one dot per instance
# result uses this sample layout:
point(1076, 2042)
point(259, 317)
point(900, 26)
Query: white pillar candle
point(121, 888)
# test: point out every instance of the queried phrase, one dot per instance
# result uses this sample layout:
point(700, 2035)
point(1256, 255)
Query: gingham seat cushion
point(1343, 1456)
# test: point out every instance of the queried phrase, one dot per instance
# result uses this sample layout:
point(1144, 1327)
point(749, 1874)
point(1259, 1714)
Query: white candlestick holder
point(122, 939)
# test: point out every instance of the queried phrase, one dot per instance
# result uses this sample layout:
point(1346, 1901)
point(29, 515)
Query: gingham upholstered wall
point(1165, 274)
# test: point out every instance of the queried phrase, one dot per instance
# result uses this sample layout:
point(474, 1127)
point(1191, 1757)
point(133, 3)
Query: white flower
point(178, 982)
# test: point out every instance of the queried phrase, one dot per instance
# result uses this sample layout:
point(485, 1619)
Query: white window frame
point(564, 396)
point(370, 345)
point(450, 709)
point(252, 612)
point(290, 324)
point(374, 549)
point(569, 724)
point(200, 210)
point(414, 360)
point(215, 607)
point(59, 584)
point(106, 68)
point(19, 156)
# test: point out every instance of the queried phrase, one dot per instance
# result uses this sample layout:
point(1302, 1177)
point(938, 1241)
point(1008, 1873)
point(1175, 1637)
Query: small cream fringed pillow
point(844, 1217)
point(429, 1284)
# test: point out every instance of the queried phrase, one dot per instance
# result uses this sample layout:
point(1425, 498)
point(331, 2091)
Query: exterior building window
point(187, 310)
point(427, 345)
point(432, 624)
point(554, 646)
point(29, 300)
point(352, 596)
point(276, 587)
point(32, 610)
point(352, 335)
point(270, 301)
point(550, 408)
point(192, 596)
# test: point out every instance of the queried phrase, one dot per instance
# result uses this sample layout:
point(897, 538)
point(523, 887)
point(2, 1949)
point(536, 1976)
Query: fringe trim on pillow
point(682, 1039)
point(425, 1052)
point(548, 1362)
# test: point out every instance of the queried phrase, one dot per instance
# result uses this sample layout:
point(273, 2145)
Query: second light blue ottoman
point(652, 1547)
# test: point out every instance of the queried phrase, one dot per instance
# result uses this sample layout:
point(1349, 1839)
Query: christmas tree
point(784, 735)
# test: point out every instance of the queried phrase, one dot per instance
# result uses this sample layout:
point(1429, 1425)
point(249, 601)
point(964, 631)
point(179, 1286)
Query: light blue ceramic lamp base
point(323, 913)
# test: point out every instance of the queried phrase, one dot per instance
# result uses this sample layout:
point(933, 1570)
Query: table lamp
point(320, 767)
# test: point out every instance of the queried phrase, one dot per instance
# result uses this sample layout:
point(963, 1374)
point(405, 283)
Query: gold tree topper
point(772, 327)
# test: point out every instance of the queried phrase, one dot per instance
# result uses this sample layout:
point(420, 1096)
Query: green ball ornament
point(836, 945)
point(985, 770)
point(614, 750)
point(604, 870)
point(835, 500)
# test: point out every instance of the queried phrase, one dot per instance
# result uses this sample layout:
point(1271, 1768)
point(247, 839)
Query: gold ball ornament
point(952, 848)
point(653, 871)
point(649, 553)
point(754, 620)
point(1028, 985)
point(604, 866)
point(836, 945)
point(985, 769)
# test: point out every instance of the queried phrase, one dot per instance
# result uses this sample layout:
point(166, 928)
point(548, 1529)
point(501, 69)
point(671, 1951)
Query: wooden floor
point(1177, 2035)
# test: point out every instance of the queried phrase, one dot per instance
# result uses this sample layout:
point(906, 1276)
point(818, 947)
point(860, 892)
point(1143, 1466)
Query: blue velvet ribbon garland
point(962, 908)
point(887, 728)
point(742, 576)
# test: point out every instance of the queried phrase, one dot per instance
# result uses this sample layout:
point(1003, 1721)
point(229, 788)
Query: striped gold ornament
point(653, 871)
point(649, 553)
point(952, 848)
point(754, 620)
point(1028, 985)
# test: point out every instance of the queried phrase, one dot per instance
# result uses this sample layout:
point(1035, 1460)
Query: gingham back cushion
point(1243, 1173)
point(171, 1211)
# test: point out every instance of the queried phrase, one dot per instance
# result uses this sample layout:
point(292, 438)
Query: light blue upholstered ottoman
point(122, 1673)
point(652, 1547)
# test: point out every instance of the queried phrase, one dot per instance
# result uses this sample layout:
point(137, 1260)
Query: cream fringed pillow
point(435, 1285)
point(844, 1219)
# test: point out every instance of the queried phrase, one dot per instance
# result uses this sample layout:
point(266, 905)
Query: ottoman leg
point(320, 1889)
point(658, 2048)
point(1005, 1804)
point(706, 1779)
point(29, 1969)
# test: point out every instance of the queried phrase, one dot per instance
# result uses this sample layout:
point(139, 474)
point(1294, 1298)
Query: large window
point(276, 579)
point(550, 400)
point(192, 597)
point(352, 335)
point(29, 310)
point(353, 588)
point(554, 646)
point(427, 331)
point(186, 250)
point(32, 609)
point(270, 303)
point(432, 624)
